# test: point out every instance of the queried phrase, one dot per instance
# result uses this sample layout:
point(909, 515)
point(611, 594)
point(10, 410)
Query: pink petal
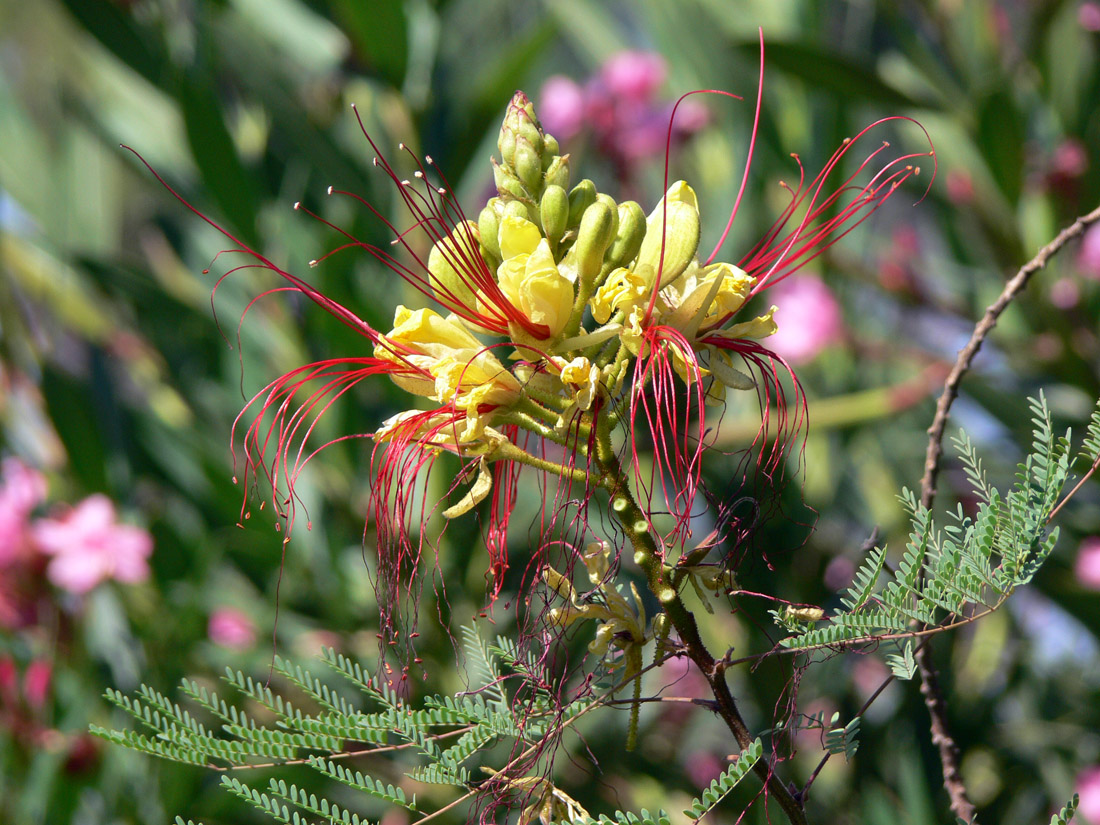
point(77, 573)
point(231, 628)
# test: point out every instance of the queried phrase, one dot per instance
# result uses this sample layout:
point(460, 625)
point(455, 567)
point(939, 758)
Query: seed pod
point(554, 212)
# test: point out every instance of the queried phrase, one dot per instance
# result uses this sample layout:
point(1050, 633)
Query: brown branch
point(961, 805)
point(966, 355)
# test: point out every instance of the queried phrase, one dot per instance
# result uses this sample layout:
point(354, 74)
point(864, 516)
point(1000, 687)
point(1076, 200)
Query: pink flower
point(36, 683)
point(1087, 566)
point(231, 628)
point(89, 546)
point(1088, 15)
point(1088, 256)
point(809, 318)
point(1088, 786)
point(22, 489)
point(960, 187)
point(561, 107)
point(634, 75)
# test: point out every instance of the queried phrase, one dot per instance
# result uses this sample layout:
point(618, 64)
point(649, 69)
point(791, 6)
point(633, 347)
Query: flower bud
point(520, 126)
point(582, 196)
point(679, 239)
point(451, 257)
point(550, 148)
point(508, 185)
point(629, 237)
point(554, 212)
point(528, 165)
point(595, 234)
point(557, 172)
point(614, 207)
point(488, 224)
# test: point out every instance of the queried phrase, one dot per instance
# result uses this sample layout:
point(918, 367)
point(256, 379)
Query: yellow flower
point(582, 378)
point(530, 279)
point(704, 296)
point(623, 290)
point(454, 366)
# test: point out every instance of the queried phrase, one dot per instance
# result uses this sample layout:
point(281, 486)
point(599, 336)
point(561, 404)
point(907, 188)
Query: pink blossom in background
point(620, 109)
point(561, 107)
point(809, 318)
point(1088, 786)
point(36, 683)
point(231, 628)
point(703, 767)
point(1088, 15)
point(960, 187)
point(1087, 566)
point(89, 546)
point(1088, 256)
point(21, 490)
point(1064, 293)
point(634, 75)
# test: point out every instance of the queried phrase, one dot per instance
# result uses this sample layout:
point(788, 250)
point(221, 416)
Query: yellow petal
point(476, 494)
point(518, 236)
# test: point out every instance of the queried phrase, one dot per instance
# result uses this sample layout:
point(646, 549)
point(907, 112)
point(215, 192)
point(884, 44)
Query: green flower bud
point(520, 126)
point(609, 201)
point(582, 196)
point(451, 256)
point(680, 242)
point(557, 173)
point(554, 212)
point(596, 232)
point(507, 183)
point(488, 224)
point(528, 165)
point(629, 237)
point(516, 209)
point(550, 148)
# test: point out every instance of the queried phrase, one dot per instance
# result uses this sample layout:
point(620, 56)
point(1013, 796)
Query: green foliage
point(721, 787)
point(903, 665)
point(1064, 816)
point(843, 740)
point(643, 817)
point(321, 735)
point(973, 563)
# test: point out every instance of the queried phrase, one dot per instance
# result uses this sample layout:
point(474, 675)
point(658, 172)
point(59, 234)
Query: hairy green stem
point(647, 556)
point(508, 450)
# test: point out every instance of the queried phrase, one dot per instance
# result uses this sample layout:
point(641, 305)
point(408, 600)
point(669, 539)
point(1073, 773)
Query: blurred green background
point(115, 376)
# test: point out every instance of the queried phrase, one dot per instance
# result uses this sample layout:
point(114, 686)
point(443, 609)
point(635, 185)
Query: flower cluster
point(563, 322)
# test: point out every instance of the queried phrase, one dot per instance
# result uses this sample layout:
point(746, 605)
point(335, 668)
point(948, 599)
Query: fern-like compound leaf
point(721, 787)
point(1064, 816)
point(361, 782)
